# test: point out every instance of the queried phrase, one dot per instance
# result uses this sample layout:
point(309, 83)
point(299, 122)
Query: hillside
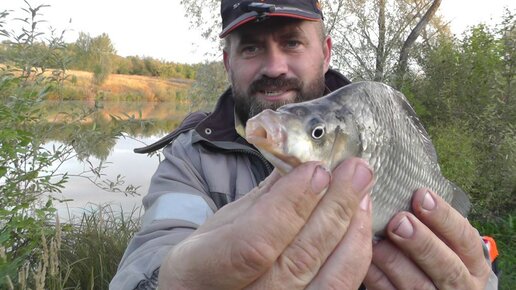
point(79, 85)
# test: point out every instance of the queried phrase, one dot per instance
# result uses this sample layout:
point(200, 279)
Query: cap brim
point(279, 12)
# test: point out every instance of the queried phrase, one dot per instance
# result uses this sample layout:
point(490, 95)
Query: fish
point(369, 120)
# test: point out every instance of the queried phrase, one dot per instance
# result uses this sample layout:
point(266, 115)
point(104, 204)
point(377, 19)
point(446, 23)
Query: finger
point(432, 255)
point(453, 229)
point(397, 268)
point(375, 279)
point(300, 262)
point(275, 218)
point(347, 265)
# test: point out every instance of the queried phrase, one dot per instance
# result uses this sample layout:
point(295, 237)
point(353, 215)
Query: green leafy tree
point(210, 82)
point(470, 82)
point(95, 54)
point(26, 173)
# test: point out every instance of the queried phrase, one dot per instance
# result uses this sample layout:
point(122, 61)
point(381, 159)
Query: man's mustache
point(273, 84)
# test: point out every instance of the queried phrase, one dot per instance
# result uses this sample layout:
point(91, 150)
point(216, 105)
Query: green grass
point(83, 254)
point(94, 244)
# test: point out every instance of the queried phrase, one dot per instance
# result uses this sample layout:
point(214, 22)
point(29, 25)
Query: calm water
point(154, 120)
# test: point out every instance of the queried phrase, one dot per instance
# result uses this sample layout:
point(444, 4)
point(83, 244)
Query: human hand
point(288, 233)
point(437, 248)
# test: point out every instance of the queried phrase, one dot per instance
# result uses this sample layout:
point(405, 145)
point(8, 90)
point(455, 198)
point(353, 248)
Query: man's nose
point(275, 63)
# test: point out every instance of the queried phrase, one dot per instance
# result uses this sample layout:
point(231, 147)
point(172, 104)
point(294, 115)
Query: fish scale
point(365, 119)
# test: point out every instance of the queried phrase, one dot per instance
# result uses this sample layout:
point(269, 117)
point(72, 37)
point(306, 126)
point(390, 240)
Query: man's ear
point(225, 56)
point(327, 46)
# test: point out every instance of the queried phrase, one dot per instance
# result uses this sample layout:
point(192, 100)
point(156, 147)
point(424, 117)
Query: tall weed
point(93, 245)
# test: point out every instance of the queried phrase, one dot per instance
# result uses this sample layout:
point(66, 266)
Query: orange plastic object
point(491, 246)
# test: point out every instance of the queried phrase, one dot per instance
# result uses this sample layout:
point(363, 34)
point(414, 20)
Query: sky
point(159, 29)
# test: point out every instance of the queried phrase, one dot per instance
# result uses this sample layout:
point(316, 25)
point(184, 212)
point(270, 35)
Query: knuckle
point(447, 222)
point(342, 210)
point(294, 211)
point(485, 272)
point(376, 280)
point(392, 260)
point(455, 279)
point(470, 242)
point(426, 250)
point(423, 285)
point(252, 257)
point(302, 261)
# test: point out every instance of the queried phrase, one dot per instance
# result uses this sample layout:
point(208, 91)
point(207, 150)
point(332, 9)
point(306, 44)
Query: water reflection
point(136, 169)
point(107, 133)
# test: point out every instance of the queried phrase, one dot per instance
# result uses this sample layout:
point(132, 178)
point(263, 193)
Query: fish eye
point(318, 132)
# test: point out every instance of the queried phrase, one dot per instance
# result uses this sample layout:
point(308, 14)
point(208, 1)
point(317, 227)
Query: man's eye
point(293, 44)
point(250, 49)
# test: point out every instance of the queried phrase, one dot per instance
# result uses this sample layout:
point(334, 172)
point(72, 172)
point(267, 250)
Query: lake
point(106, 133)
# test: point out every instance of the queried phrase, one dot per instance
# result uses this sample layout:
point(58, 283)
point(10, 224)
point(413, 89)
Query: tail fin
point(460, 200)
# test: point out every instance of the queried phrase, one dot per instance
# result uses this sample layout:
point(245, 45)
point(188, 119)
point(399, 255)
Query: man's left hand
point(437, 248)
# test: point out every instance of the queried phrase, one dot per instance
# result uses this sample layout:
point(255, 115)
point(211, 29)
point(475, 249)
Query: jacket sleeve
point(177, 203)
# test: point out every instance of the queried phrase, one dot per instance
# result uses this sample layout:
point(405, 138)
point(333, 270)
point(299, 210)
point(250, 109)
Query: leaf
point(3, 171)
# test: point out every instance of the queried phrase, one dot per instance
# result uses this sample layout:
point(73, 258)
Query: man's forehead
point(278, 26)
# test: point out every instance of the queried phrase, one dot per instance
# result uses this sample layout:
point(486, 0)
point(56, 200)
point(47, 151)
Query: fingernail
point(364, 203)
point(320, 179)
point(404, 228)
point(428, 202)
point(361, 177)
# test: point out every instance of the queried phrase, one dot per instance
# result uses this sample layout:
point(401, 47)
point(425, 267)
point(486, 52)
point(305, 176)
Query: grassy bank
point(83, 253)
point(79, 85)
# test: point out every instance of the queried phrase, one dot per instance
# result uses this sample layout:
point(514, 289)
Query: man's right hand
point(304, 230)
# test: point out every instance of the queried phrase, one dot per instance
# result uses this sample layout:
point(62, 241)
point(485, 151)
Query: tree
point(94, 54)
point(210, 82)
point(411, 39)
point(83, 58)
point(26, 173)
point(372, 39)
point(470, 82)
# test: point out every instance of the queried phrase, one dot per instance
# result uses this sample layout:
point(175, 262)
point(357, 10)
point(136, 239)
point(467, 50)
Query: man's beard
point(248, 106)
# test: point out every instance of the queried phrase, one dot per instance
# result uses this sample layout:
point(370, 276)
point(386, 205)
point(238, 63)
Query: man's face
point(276, 62)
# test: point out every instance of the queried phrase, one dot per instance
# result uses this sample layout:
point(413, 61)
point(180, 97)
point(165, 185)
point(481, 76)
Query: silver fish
point(369, 120)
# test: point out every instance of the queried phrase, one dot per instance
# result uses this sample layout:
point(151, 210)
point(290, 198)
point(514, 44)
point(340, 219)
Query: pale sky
point(158, 28)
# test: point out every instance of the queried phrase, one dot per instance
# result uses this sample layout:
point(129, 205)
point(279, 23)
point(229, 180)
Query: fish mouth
point(265, 132)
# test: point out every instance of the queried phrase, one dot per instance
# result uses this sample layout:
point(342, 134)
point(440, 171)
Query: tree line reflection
point(92, 128)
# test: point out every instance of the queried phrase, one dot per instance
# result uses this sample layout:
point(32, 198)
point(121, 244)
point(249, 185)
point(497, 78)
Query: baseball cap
point(236, 13)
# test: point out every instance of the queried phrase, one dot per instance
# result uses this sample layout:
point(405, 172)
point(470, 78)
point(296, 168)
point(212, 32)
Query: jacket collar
point(220, 124)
